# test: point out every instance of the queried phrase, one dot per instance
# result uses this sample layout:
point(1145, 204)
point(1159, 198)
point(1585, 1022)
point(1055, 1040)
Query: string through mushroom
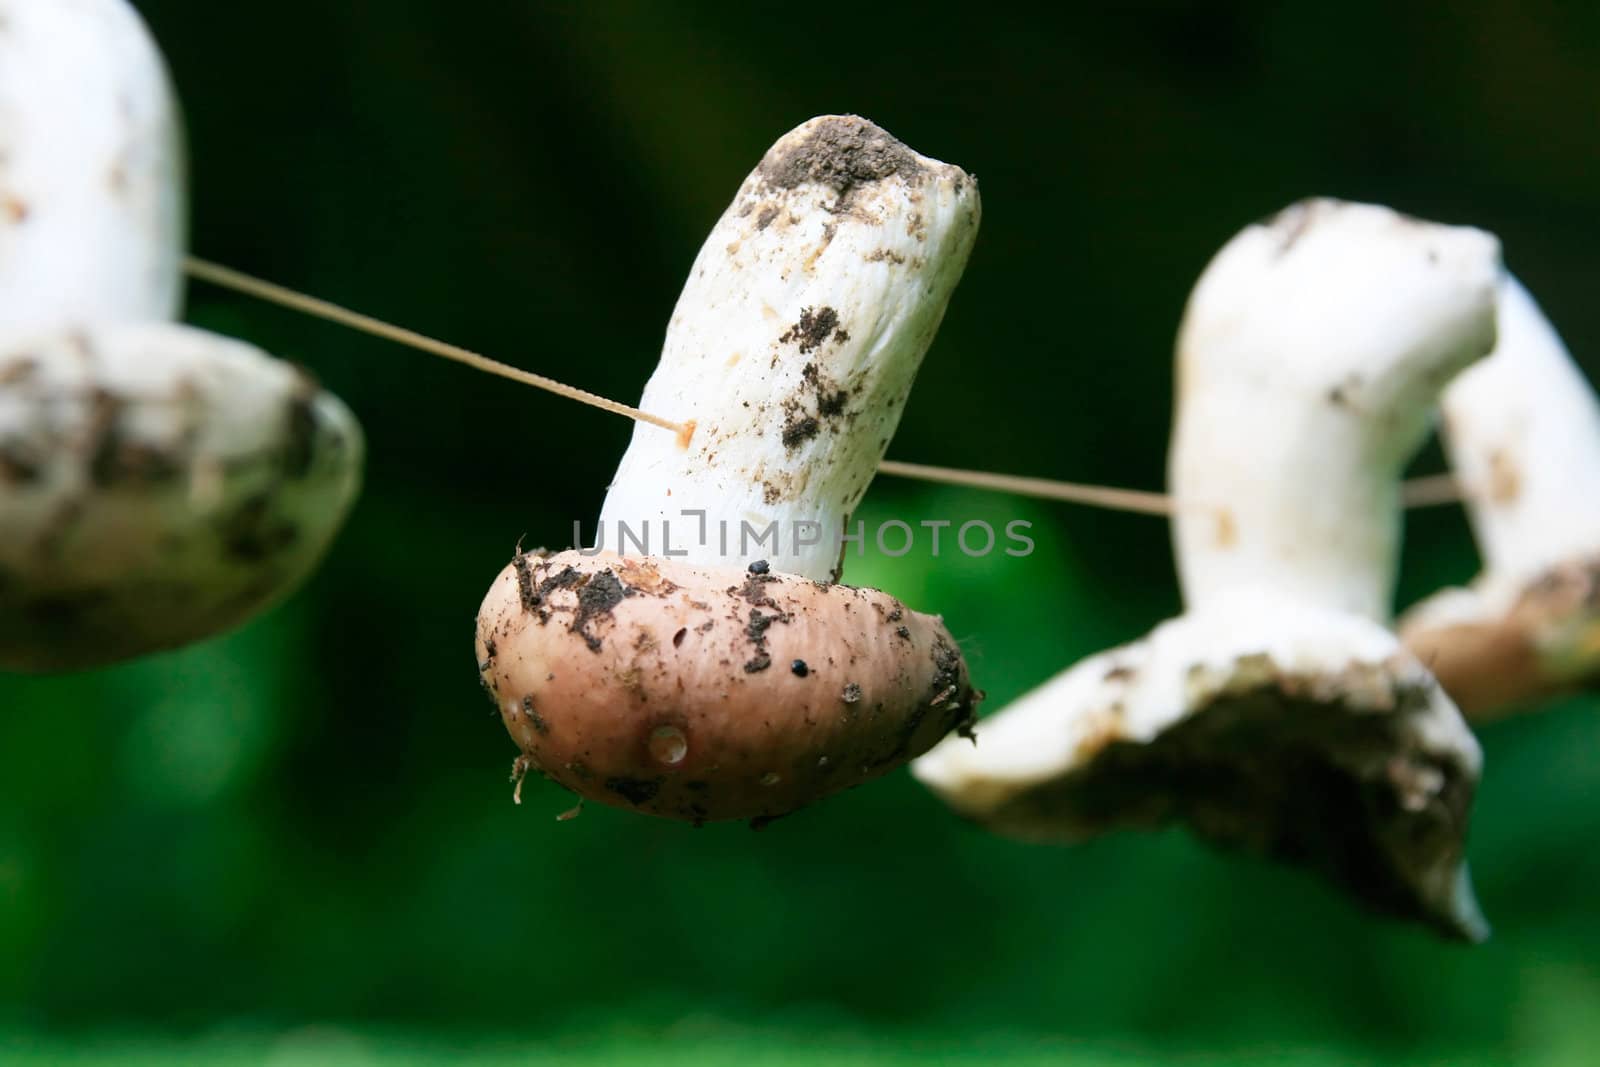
point(1428, 491)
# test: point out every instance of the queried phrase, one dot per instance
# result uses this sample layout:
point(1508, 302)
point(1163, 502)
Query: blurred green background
point(296, 844)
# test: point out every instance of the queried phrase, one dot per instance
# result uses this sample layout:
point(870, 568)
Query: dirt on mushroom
point(649, 697)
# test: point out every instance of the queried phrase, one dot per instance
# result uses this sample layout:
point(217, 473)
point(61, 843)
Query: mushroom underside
point(1348, 790)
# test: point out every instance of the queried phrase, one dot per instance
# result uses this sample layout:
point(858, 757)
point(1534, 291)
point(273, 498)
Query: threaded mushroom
point(1278, 714)
point(704, 666)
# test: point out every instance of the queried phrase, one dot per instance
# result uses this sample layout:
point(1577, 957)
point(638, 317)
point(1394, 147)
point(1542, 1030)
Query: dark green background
point(309, 821)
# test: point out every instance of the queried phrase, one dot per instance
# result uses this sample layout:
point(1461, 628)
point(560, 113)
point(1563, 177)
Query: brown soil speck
point(1227, 529)
point(300, 429)
point(18, 370)
point(843, 152)
point(800, 424)
point(800, 430)
point(635, 791)
point(254, 532)
point(530, 599)
point(534, 718)
point(1505, 481)
point(597, 597)
point(814, 328)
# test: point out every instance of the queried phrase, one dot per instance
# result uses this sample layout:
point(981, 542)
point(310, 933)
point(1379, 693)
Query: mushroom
point(705, 666)
point(1278, 714)
point(1522, 430)
point(158, 483)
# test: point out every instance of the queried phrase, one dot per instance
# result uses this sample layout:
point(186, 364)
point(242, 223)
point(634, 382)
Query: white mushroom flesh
point(792, 349)
point(91, 185)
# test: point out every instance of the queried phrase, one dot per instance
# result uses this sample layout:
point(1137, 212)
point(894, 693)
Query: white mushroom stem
point(1278, 714)
point(1522, 429)
point(1304, 384)
point(792, 350)
point(91, 192)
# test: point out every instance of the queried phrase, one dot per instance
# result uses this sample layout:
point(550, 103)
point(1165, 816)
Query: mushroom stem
point(1305, 382)
point(792, 349)
point(91, 192)
point(1522, 430)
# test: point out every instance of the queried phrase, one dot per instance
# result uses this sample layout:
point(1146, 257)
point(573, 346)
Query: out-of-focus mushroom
point(158, 484)
point(711, 670)
point(1278, 714)
point(1522, 429)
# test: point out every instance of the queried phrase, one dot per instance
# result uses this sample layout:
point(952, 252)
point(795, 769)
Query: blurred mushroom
point(715, 673)
point(1522, 429)
point(158, 484)
point(1277, 714)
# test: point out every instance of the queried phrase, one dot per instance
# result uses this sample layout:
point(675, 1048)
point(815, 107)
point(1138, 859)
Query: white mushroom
point(157, 483)
point(715, 672)
point(792, 350)
point(1522, 429)
point(1278, 714)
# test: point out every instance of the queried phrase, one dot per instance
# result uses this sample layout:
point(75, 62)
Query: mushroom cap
point(1301, 734)
point(710, 693)
point(160, 484)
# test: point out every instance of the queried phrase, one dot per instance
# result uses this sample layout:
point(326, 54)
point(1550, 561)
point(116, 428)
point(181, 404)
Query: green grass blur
point(296, 844)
